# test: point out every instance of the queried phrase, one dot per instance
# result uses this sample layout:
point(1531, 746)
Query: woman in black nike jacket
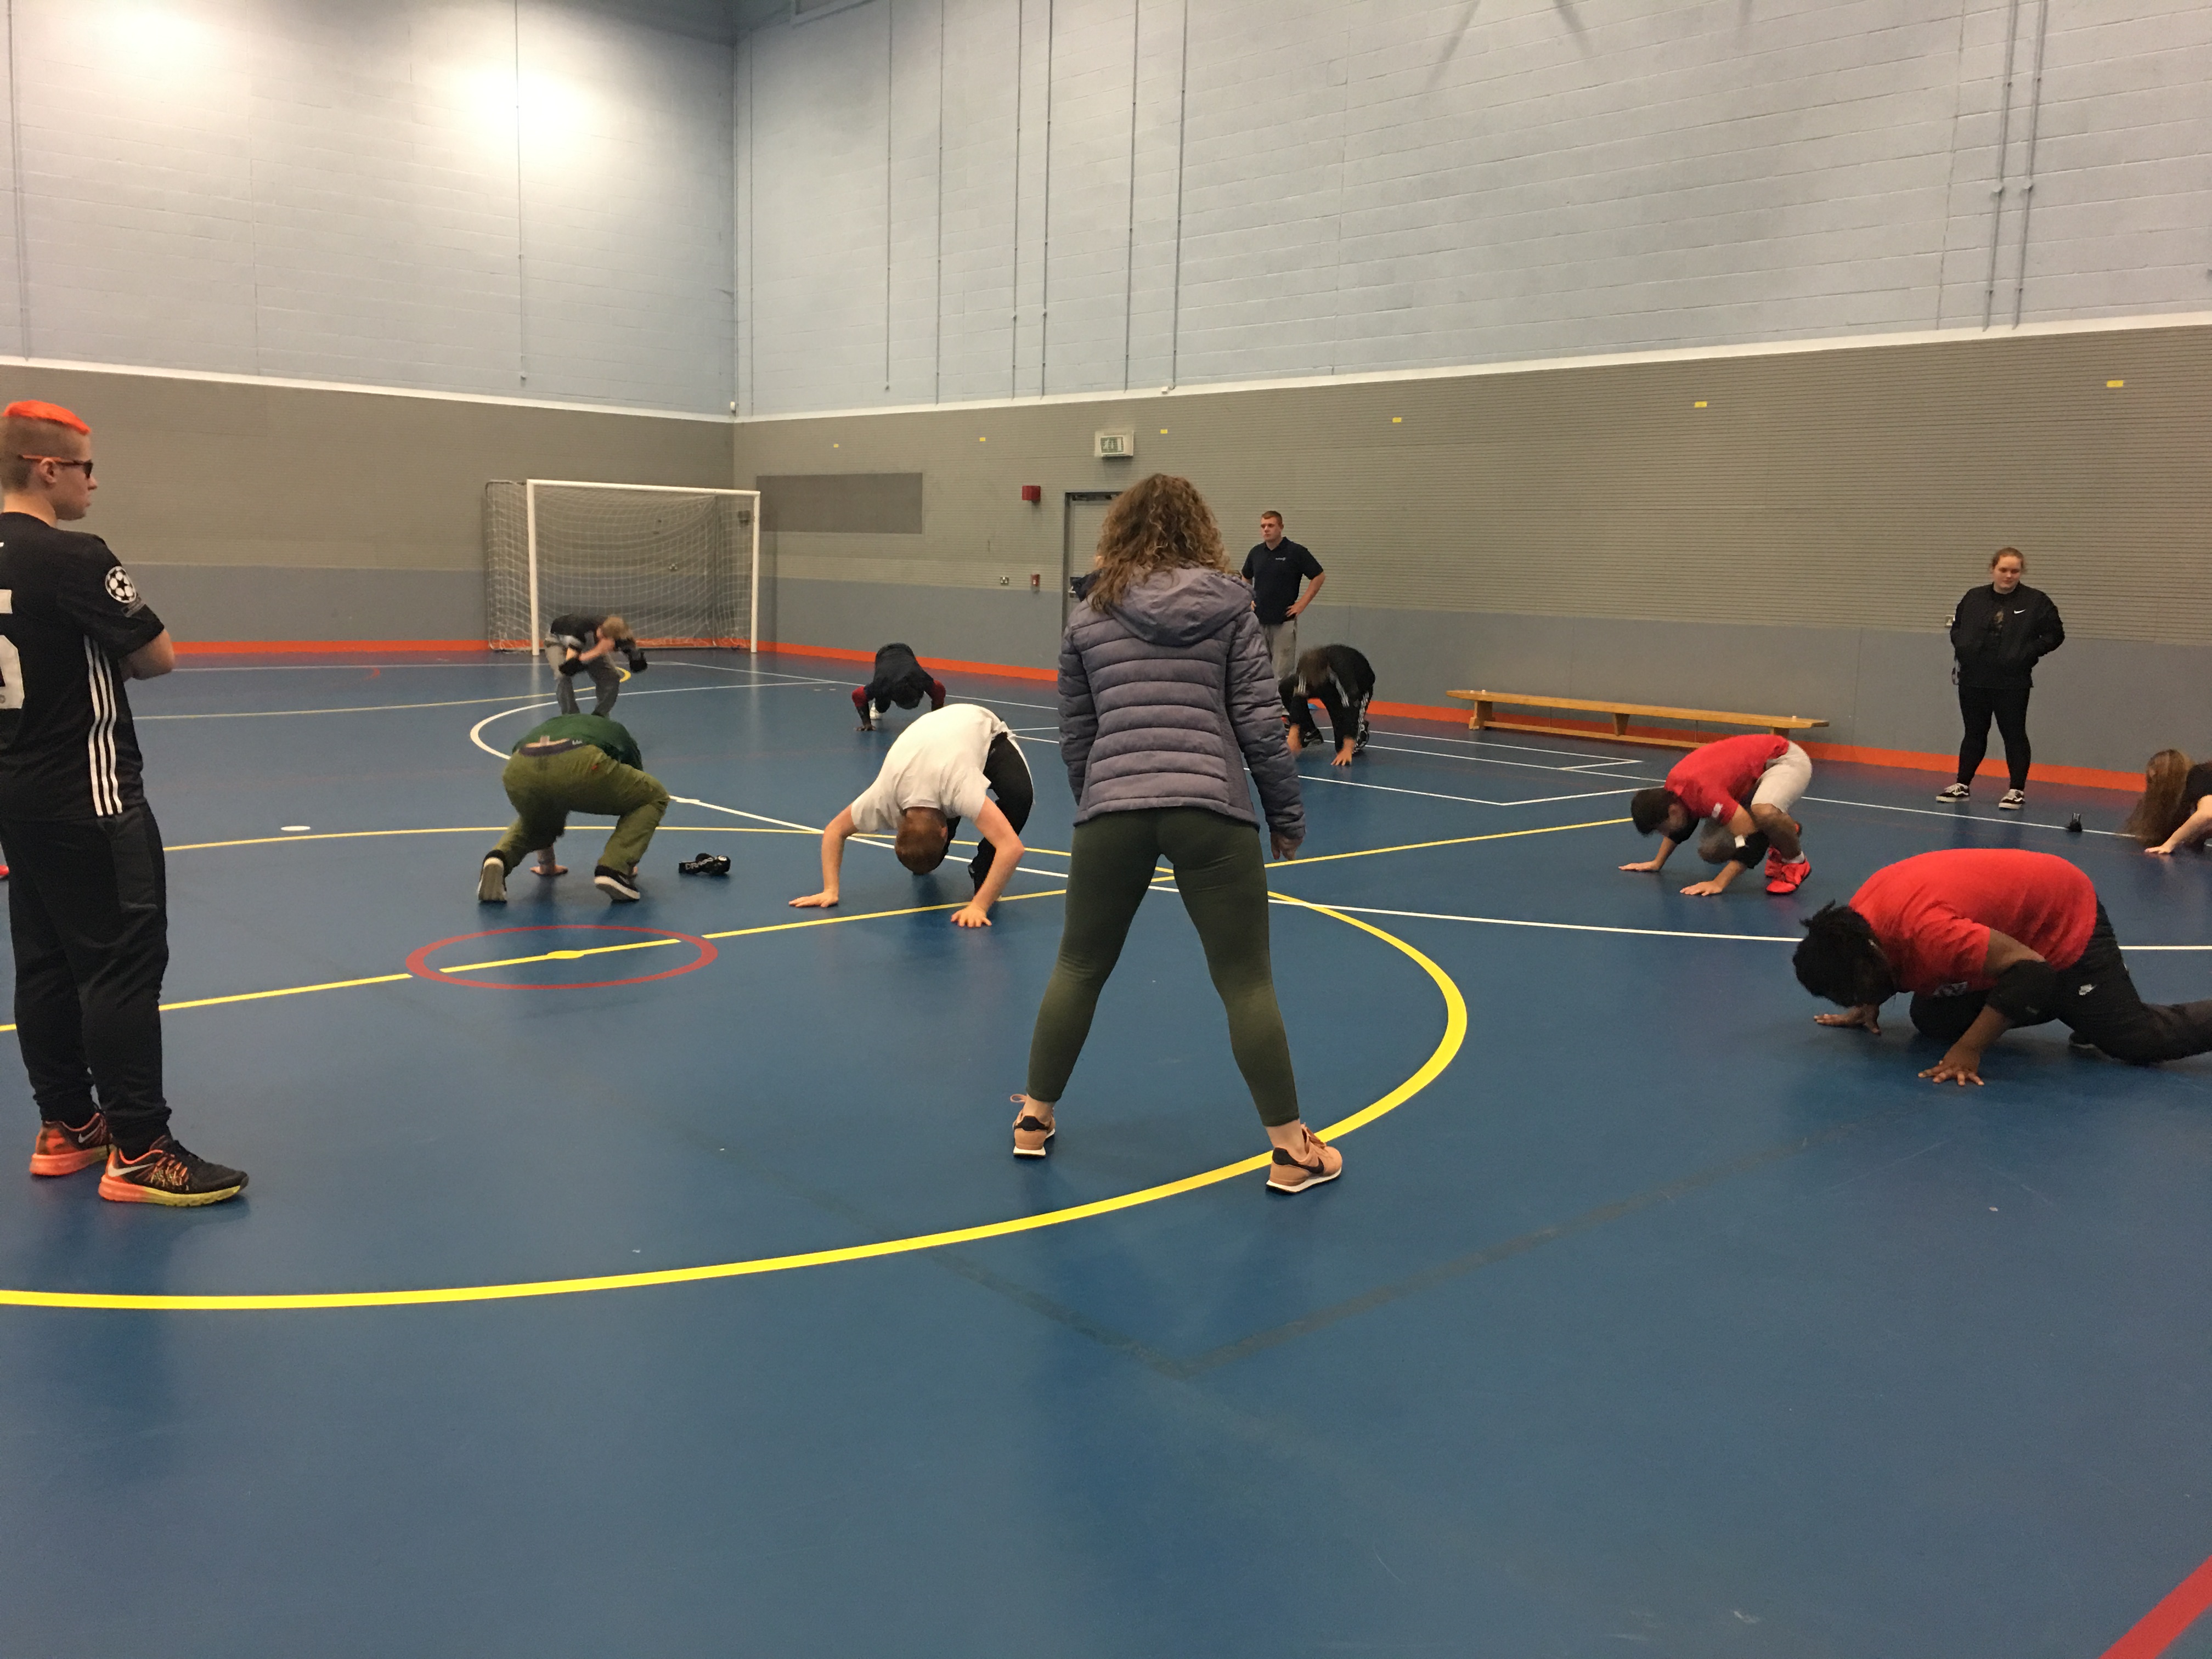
point(1998, 634)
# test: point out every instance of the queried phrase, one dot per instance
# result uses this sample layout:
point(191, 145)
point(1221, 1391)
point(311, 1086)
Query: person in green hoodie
point(577, 763)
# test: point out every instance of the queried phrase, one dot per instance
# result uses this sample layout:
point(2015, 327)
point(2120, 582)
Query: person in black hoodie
point(1999, 633)
point(1345, 681)
point(899, 679)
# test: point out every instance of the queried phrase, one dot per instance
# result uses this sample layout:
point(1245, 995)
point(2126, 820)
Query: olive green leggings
point(1223, 884)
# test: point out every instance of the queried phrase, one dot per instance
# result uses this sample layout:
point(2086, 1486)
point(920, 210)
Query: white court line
point(455, 702)
point(1483, 760)
point(1472, 800)
point(1970, 818)
point(1650, 932)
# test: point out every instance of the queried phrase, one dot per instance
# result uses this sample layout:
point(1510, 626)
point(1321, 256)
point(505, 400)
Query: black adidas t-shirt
point(68, 615)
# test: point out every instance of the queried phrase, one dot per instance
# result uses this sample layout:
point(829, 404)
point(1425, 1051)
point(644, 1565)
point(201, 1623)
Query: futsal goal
point(681, 565)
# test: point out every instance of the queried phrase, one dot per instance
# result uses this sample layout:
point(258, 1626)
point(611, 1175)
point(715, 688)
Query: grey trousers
point(605, 680)
point(1283, 645)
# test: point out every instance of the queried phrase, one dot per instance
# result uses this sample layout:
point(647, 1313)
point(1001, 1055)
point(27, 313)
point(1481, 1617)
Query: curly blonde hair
point(1161, 523)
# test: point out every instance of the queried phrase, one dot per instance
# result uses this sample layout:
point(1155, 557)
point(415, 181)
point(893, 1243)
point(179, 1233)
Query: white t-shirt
point(936, 761)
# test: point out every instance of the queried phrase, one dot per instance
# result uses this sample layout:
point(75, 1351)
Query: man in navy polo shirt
point(1275, 568)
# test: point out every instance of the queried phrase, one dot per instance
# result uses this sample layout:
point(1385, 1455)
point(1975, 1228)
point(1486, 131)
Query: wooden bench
point(1486, 719)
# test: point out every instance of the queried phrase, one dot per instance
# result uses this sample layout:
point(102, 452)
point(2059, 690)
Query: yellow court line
point(477, 830)
point(1442, 1056)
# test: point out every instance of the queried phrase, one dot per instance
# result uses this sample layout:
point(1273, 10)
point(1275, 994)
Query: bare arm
point(1740, 826)
point(1963, 1063)
point(1007, 847)
point(1666, 851)
point(833, 862)
point(152, 660)
point(2198, 826)
point(1313, 586)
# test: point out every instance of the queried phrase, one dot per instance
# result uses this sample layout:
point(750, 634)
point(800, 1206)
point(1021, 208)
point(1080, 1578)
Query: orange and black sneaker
point(63, 1151)
point(165, 1173)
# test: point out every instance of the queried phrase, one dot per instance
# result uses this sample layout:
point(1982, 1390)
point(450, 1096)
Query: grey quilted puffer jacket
point(1167, 698)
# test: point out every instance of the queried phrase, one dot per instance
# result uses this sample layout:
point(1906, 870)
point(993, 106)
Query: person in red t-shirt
point(1743, 789)
point(1986, 939)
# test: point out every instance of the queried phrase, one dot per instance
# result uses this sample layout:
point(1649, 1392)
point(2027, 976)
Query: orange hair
point(34, 411)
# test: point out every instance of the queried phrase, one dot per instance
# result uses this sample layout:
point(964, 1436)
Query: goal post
point(680, 564)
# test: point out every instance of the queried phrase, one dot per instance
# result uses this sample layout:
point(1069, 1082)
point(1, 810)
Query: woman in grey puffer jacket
point(1166, 698)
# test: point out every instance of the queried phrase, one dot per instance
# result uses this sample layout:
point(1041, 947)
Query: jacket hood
point(1182, 606)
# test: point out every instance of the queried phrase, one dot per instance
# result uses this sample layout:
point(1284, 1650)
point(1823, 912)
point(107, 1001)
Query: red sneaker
point(1786, 878)
point(63, 1151)
point(165, 1173)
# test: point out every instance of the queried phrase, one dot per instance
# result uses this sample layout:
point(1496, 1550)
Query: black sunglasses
point(58, 461)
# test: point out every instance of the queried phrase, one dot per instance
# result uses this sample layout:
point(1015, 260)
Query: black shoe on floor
point(706, 864)
point(165, 1173)
point(622, 888)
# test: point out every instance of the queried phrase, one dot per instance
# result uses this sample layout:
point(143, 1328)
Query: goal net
point(680, 566)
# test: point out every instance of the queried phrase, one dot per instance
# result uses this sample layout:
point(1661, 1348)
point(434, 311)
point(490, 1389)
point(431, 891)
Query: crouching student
point(584, 643)
point(899, 679)
point(1743, 788)
point(943, 767)
point(1986, 938)
point(2175, 810)
point(577, 763)
point(1344, 681)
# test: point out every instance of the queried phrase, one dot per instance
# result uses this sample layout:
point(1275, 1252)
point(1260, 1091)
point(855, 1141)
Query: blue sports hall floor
point(1648, 1318)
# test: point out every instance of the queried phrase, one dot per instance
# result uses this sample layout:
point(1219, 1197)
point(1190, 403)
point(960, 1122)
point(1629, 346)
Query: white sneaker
point(2014, 800)
point(1956, 792)
point(492, 881)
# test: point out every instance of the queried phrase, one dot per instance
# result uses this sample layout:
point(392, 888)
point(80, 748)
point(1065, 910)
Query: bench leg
point(1483, 716)
point(1620, 725)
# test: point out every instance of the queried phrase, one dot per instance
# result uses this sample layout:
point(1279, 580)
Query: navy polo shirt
point(1275, 576)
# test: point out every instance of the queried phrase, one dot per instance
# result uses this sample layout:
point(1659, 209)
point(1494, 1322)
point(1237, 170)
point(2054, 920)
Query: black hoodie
point(1998, 638)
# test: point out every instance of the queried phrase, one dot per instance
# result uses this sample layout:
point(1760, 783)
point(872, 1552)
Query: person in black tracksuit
point(88, 894)
point(899, 679)
point(1344, 680)
point(1998, 634)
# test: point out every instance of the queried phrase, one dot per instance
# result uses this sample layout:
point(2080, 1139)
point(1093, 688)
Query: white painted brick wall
point(1397, 184)
point(327, 190)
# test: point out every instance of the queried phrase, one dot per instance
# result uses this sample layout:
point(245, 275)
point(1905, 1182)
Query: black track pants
point(1008, 775)
point(87, 909)
point(1976, 705)
point(2098, 999)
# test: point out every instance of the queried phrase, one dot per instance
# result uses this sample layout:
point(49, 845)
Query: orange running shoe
point(63, 1151)
point(1786, 878)
point(165, 1173)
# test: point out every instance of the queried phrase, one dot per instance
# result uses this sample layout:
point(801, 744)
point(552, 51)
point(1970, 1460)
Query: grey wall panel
point(249, 480)
point(967, 624)
point(260, 602)
point(856, 503)
point(1860, 487)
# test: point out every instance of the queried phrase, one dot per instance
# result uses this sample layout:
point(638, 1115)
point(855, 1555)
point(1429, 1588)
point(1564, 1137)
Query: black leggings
point(1219, 872)
point(2098, 999)
point(1976, 705)
point(1008, 775)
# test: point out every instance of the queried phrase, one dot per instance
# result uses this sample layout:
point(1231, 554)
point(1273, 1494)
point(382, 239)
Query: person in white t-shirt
point(943, 767)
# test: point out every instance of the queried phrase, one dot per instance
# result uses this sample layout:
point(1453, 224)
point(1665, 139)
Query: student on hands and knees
point(577, 763)
point(1743, 789)
point(2175, 810)
point(88, 898)
point(1986, 939)
point(584, 643)
point(1167, 701)
point(1344, 680)
point(943, 768)
point(899, 679)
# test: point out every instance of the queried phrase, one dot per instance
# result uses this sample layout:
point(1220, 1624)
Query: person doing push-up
point(937, 772)
point(899, 679)
point(577, 763)
point(1987, 938)
point(1344, 680)
point(1743, 789)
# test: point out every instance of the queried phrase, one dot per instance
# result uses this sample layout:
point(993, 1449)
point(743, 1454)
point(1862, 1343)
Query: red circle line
point(418, 962)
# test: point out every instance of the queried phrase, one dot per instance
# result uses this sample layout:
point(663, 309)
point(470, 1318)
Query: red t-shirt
point(1713, 780)
point(1932, 914)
